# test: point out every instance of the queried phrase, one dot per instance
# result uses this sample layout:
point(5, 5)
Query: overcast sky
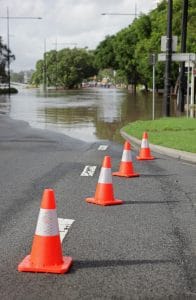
point(67, 21)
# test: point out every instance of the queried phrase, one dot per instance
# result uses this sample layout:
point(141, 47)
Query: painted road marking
point(103, 147)
point(88, 171)
point(64, 225)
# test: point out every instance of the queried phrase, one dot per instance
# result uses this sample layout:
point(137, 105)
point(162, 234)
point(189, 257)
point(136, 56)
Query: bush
point(6, 91)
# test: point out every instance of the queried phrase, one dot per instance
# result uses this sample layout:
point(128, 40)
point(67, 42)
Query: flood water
point(87, 114)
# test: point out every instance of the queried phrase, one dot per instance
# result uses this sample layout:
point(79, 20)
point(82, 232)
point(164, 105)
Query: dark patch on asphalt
point(149, 202)
point(115, 263)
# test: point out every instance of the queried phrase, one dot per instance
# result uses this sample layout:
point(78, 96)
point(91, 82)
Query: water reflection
point(87, 114)
point(4, 104)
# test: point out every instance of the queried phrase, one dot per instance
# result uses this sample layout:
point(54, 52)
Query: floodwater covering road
point(88, 114)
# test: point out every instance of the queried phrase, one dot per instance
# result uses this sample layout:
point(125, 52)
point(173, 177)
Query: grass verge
point(176, 133)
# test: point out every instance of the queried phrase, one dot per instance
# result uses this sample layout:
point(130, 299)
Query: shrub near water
point(177, 133)
point(6, 91)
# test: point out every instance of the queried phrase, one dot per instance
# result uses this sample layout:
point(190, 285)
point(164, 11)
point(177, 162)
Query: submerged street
point(90, 115)
point(142, 249)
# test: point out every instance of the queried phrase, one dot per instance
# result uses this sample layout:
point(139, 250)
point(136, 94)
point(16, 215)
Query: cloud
point(74, 21)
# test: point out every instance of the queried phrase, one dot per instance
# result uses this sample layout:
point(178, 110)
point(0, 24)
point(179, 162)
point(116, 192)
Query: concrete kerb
point(178, 154)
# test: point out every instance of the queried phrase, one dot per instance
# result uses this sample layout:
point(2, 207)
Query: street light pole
point(153, 85)
point(119, 14)
point(8, 40)
point(167, 83)
point(183, 50)
point(122, 14)
point(8, 51)
point(45, 67)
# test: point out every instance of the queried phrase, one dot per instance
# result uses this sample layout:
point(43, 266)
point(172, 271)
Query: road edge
point(177, 154)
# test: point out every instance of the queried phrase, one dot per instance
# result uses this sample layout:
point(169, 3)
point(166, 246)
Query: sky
point(64, 23)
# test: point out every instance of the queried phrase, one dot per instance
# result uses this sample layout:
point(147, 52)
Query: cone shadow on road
point(150, 202)
point(85, 264)
point(156, 175)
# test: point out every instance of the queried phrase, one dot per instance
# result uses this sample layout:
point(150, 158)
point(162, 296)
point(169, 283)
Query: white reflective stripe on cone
point(144, 143)
point(47, 224)
point(126, 156)
point(105, 175)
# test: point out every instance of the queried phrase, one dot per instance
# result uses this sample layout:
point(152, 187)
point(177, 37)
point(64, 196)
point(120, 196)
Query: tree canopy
point(127, 52)
point(65, 68)
point(131, 47)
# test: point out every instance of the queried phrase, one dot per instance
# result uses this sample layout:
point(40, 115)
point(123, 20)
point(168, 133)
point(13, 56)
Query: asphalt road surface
point(143, 249)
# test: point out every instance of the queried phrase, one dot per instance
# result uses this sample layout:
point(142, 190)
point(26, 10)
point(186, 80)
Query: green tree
point(127, 52)
point(191, 36)
point(124, 46)
point(73, 66)
point(37, 77)
point(105, 54)
point(4, 54)
point(66, 68)
point(131, 47)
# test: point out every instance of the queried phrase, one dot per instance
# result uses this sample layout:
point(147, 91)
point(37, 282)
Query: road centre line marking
point(103, 147)
point(88, 171)
point(64, 225)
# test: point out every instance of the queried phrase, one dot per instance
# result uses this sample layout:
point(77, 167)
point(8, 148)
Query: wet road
point(143, 249)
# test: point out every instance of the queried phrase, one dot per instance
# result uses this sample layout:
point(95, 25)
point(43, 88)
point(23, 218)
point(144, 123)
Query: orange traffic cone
point(104, 191)
point(46, 253)
point(145, 150)
point(126, 166)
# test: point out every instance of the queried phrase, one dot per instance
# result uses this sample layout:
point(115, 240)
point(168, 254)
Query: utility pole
point(167, 83)
point(56, 64)
point(153, 84)
point(135, 10)
point(8, 52)
point(182, 87)
point(45, 68)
